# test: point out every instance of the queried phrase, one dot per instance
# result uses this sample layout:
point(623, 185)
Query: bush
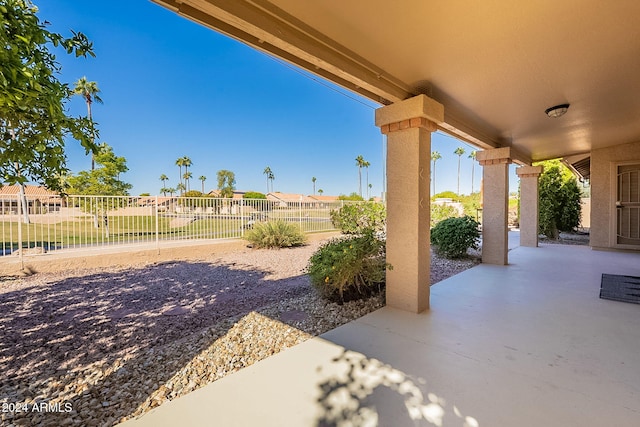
point(275, 234)
point(349, 268)
point(559, 206)
point(254, 195)
point(193, 193)
point(357, 217)
point(454, 236)
point(441, 212)
point(354, 197)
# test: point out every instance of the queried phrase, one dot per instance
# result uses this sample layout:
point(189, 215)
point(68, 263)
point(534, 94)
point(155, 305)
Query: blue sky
point(172, 88)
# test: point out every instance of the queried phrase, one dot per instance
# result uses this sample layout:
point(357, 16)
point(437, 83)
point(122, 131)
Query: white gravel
point(96, 347)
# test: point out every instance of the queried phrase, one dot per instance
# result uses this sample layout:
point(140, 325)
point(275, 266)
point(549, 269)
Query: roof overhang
point(494, 65)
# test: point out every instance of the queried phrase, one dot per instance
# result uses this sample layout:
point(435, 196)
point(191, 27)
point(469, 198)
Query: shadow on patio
point(528, 344)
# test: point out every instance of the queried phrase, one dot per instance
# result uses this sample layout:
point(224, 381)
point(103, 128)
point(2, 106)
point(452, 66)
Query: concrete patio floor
point(528, 344)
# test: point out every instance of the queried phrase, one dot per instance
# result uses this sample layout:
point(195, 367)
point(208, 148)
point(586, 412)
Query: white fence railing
point(86, 222)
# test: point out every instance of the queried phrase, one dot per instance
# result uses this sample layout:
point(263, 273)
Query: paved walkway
point(528, 344)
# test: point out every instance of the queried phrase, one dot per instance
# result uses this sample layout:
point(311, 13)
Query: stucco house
point(40, 200)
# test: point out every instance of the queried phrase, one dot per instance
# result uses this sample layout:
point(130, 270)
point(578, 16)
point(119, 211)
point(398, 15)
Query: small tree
point(104, 180)
point(226, 183)
point(559, 195)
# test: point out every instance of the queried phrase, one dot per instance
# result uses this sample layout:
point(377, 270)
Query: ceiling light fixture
point(557, 111)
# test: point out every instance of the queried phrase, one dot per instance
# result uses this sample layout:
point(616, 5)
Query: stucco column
point(495, 204)
point(529, 204)
point(408, 126)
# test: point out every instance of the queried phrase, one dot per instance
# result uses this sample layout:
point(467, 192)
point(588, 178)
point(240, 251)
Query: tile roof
point(29, 190)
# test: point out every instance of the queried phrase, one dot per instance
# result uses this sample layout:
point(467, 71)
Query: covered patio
point(528, 344)
point(522, 339)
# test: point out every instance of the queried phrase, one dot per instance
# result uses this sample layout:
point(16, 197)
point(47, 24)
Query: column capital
point(419, 111)
point(416, 122)
point(496, 156)
point(529, 171)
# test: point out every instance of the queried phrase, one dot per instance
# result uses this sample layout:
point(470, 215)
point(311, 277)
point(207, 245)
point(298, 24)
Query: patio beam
point(529, 204)
point(495, 204)
point(408, 125)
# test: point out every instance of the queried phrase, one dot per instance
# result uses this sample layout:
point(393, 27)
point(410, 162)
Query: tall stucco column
point(529, 204)
point(408, 125)
point(495, 204)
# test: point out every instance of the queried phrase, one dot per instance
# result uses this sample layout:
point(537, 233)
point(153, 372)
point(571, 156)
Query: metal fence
point(90, 222)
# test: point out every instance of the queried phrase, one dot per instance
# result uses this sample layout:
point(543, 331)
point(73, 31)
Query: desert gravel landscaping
point(97, 347)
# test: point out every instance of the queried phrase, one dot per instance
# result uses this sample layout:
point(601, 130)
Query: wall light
point(557, 111)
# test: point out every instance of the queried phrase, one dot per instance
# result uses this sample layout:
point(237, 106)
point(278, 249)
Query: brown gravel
point(96, 347)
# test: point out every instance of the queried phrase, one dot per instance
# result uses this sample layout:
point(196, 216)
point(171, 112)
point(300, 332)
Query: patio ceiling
point(495, 65)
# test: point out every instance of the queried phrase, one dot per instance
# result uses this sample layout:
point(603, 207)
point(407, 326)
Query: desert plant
point(441, 212)
point(275, 234)
point(358, 217)
point(452, 237)
point(349, 267)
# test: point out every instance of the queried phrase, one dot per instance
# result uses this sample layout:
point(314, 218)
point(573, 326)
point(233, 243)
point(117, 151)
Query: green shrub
point(441, 212)
point(275, 234)
point(348, 268)
point(357, 217)
point(354, 197)
point(254, 195)
point(193, 193)
point(559, 199)
point(446, 195)
point(454, 236)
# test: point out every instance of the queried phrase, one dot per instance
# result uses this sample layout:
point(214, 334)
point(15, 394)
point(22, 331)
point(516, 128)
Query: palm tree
point(320, 191)
point(171, 191)
point(369, 192)
point(271, 177)
point(459, 152)
point(435, 156)
point(180, 187)
point(186, 162)
point(366, 165)
point(203, 179)
point(164, 178)
point(180, 163)
point(269, 174)
point(472, 156)
point(89, 91)
point(360, 162)
point(313, 179)
point(187, 177)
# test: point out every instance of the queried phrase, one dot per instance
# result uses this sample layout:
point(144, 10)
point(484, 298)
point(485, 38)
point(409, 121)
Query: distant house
point(40, 200)
point(236, 194)
point(326, 199)
point(284, 200)
point(164, 203)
